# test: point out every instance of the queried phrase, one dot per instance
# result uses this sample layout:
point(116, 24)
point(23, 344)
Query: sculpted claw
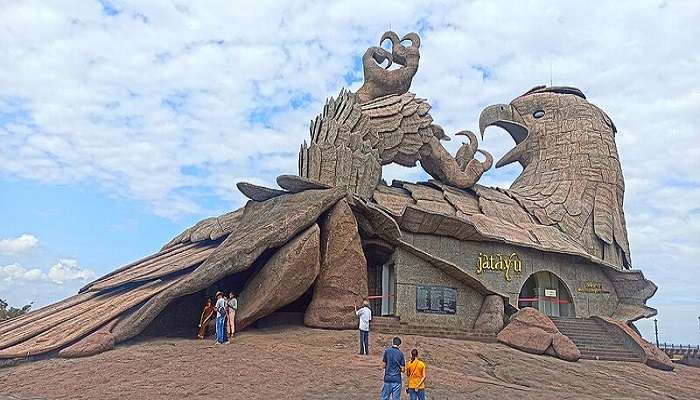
point(381, 81)
point(467, 151)
point(386, 124)
point(488, 162)
point(462, 171)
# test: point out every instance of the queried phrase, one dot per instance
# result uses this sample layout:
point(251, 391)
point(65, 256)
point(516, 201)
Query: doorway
point(547, 293)
point(381, 277)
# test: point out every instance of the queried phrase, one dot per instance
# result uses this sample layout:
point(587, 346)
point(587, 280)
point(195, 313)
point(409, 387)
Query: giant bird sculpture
point(308, 236)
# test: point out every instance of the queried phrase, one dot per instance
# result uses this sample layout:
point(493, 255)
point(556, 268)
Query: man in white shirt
point(365, 315)
point(221, 305)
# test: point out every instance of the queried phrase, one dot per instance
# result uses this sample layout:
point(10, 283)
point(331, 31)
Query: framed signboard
point(436, 300)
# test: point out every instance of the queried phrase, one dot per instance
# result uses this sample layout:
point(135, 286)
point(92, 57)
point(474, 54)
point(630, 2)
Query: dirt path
point(302, 363)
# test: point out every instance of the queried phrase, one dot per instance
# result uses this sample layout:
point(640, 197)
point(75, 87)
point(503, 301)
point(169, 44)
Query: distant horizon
point(122, 124)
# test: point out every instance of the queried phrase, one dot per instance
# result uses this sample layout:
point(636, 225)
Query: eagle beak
point(507, 117)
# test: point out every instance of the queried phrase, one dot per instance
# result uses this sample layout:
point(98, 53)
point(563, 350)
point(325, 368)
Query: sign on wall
point(500, 264)
point(436, 300)
point(591, 287)
point(550, 293)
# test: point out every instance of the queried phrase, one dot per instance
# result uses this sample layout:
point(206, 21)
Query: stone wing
point(349, 141)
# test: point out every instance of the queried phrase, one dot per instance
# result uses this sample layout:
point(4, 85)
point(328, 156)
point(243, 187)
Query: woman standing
point(207, 313)
point(232, 306)
point(415, 370)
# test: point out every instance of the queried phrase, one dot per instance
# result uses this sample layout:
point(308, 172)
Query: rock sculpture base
point(342, 280)
point(533, 332)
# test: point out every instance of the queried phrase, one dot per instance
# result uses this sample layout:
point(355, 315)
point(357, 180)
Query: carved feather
point(385, 130)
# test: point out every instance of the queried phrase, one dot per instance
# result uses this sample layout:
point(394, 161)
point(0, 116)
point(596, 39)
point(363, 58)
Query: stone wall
point(411, 272)
point(573, 271)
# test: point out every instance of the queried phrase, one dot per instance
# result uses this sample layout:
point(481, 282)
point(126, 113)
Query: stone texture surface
point(95, 343)
point(262, 226)
point(382, 123)
point(571, 269)
point(581, 193)
point(258, 193)
point(329, 368)
point(412, 271)
point(653, 356)
point(208, 229)
point(342, 279)
point(491, 315)
point(565, 348)
point(531, 331)
point(296, 184)
point(286, 276)
point(524, 337)
point(531, 317)
point(69, 325)
point(379, 81)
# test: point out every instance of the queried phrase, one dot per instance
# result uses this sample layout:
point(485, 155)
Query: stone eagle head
point(544, 117)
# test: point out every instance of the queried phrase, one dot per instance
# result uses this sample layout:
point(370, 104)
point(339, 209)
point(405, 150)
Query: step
point(606, 358)
point(610, 356)
point(581, 327)
point(601, 345)
point(594, 341)
point(574, 321)
point(586, 323)
point(577, 329)
point(584, 334)
point(602, 342)
point(583, 349)
point(583, 331)
point(599, 350)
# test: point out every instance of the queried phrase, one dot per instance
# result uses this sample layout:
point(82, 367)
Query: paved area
point(302, 363)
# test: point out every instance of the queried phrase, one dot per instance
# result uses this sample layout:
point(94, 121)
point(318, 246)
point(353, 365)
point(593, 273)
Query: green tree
point(7, 312)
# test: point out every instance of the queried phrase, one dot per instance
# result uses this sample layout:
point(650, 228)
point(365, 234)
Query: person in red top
point(415, 370)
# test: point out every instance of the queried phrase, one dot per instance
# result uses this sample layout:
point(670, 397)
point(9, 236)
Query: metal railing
point(684, 351)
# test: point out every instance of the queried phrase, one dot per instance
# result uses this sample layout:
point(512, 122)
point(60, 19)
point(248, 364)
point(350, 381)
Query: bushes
point(7, 312)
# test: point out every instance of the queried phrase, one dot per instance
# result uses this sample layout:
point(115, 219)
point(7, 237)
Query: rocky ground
point(303, 363)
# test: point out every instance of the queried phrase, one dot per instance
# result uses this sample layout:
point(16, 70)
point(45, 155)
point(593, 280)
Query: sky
point(123, 123)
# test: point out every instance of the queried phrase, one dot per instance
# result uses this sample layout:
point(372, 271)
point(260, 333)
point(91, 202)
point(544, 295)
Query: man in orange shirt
point(415, 370)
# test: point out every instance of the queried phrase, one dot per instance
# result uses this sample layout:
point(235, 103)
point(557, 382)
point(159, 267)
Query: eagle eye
point(538, 114)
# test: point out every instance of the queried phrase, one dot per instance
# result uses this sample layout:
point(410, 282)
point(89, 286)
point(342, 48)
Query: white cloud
point(16, 273)
point(20, 244)
point(66, 270)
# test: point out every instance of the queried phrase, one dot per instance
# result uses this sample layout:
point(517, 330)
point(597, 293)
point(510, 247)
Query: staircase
point(594, 341)
point(393, 325)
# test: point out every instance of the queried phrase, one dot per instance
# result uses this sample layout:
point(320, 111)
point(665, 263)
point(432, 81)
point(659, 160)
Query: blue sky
point(121, 123)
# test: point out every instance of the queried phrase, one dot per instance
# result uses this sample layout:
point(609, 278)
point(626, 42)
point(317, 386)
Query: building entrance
point(547, 293)
point(381, 278)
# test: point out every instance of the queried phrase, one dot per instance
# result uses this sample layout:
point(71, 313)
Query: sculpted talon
point(488, 162)
point(467, 151)
point(381, 81)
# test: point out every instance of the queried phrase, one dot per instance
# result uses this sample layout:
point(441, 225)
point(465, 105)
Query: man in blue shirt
point(394, 366)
